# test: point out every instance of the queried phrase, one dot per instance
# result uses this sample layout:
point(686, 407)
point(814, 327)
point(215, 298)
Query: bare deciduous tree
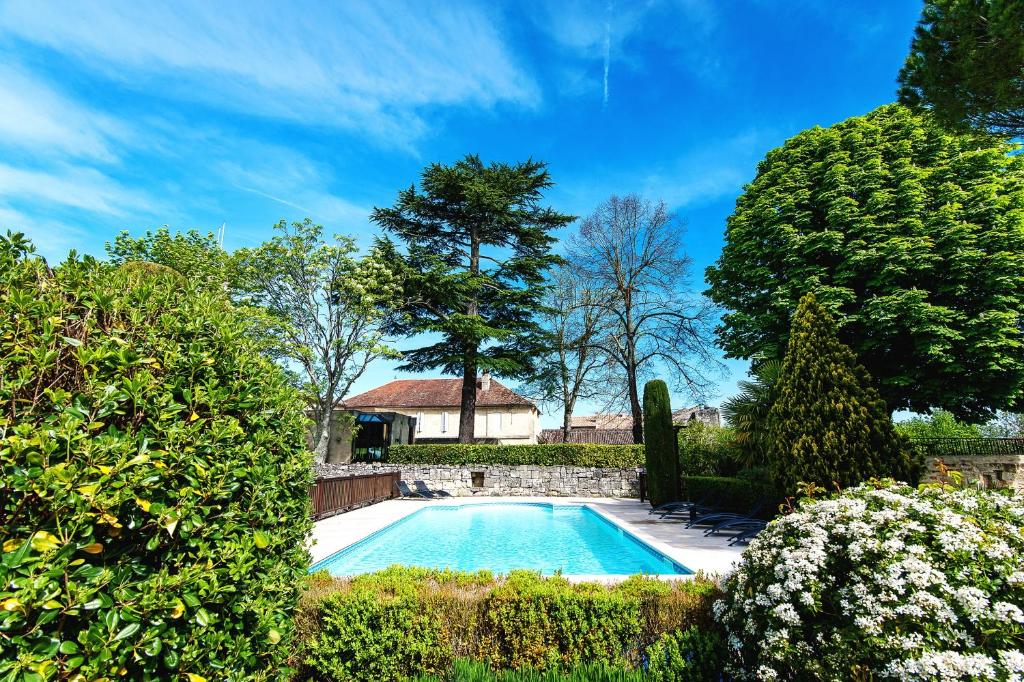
point(575, 317)
point(632, 250)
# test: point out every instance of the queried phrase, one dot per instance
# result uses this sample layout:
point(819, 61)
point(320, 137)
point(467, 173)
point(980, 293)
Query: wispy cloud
point(74, 187)
point(372, 67)
point(35, 116)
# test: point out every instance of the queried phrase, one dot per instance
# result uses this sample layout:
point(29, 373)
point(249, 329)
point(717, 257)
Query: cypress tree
point(829, 424)
point(660, 445)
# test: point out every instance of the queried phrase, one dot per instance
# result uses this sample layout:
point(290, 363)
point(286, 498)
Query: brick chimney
point(485, 381)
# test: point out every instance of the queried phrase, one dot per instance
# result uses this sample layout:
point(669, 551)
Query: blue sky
point(127, 115)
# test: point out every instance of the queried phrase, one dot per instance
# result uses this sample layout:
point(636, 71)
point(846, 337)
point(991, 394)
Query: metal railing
point(330, 496)
point(969, 447)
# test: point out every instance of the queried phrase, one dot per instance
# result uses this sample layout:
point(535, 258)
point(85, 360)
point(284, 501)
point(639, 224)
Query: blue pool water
point(501, 537)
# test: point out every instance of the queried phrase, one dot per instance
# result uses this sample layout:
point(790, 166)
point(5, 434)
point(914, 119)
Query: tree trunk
point(635, 408)
point(566, 422)
point(322, 436)
point(467, 413)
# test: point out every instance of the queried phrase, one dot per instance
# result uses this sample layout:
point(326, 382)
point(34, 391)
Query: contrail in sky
point(607, 50)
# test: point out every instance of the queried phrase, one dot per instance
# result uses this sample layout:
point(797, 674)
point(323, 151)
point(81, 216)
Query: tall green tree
point(197, 256)
point(828, 424)
point(660, 453)
point(966, 64)
point(747, 411)
point(327, 305)
point(911, 235)
point(477, 251)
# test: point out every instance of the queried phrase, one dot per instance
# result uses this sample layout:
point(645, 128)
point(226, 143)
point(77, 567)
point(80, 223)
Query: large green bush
point(828, 424)
point(407, 621)
point(551, 454)
point(884, 582)
point(154, 481)
point(708, 450)
point(661, 459)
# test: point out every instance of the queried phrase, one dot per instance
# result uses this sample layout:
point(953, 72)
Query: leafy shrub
point(690, 655)
point(883, 582)
point(406, 621)
point(732, 494)
point(474, 671)
point(659, 445)
point(155, 480)
point(828, 423)
point(938, 424)
point(708, 450)
point(552, 454)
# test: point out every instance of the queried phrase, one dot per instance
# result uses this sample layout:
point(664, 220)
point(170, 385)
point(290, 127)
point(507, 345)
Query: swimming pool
point(500, 537)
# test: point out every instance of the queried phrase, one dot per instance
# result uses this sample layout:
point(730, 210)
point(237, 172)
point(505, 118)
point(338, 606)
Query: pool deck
point(708, 555)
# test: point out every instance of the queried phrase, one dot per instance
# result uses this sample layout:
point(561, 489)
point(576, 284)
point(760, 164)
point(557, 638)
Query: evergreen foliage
point(910, 235)
point(154, 478)
point(406, 621)
point(966, 63)
point(659, 444)
point(828, 424)
point(478, 250)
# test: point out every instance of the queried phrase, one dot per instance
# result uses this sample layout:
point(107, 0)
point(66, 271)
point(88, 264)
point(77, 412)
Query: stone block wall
point(497, 479)
point(993, 471)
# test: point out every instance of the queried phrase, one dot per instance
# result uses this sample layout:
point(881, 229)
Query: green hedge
point(732, 494)
point(403, 622)
point(153, 481)
point(466, 670)
point(551, 454)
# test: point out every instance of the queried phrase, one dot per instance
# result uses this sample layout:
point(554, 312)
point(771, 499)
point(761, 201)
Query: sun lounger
point(746, 535)
point(422, 489)
point(707, 517)
point(406, 493)
point(677, 508)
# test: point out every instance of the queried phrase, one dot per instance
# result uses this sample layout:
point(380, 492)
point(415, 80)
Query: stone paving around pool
point(710, 555)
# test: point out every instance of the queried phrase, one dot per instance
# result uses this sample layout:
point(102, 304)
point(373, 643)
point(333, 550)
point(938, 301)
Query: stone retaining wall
point(993, 471)
point(498, 479)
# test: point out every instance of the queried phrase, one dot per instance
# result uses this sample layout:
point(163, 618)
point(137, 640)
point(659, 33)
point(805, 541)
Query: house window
point(444, 422)
point(419, 422)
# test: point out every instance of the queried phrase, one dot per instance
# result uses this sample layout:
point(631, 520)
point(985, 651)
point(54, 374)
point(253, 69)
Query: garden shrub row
point(403, 622)
point(732, 494)
point(550, 454)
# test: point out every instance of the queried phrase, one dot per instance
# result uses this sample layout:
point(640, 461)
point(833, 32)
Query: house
point(502, 415)
point(709, 416)
point(617, 427)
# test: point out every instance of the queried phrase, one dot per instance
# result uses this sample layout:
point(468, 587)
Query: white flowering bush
point(883, 581)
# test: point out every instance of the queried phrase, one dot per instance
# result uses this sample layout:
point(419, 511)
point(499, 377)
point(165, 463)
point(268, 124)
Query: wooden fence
point(338, 494)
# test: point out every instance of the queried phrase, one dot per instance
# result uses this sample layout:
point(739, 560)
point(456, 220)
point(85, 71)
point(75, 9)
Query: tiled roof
point(433, 393)
point(603, 421)
point(597, 436)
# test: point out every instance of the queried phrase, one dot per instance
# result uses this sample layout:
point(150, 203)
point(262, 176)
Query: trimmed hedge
point(404, 621)
point(154, 479)
point(475, 671)
point(551, 454)
point(732, 494)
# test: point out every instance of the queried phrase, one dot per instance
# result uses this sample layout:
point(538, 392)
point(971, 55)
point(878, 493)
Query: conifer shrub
point(155, 480)
point(659, 445)
point(828, 424)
